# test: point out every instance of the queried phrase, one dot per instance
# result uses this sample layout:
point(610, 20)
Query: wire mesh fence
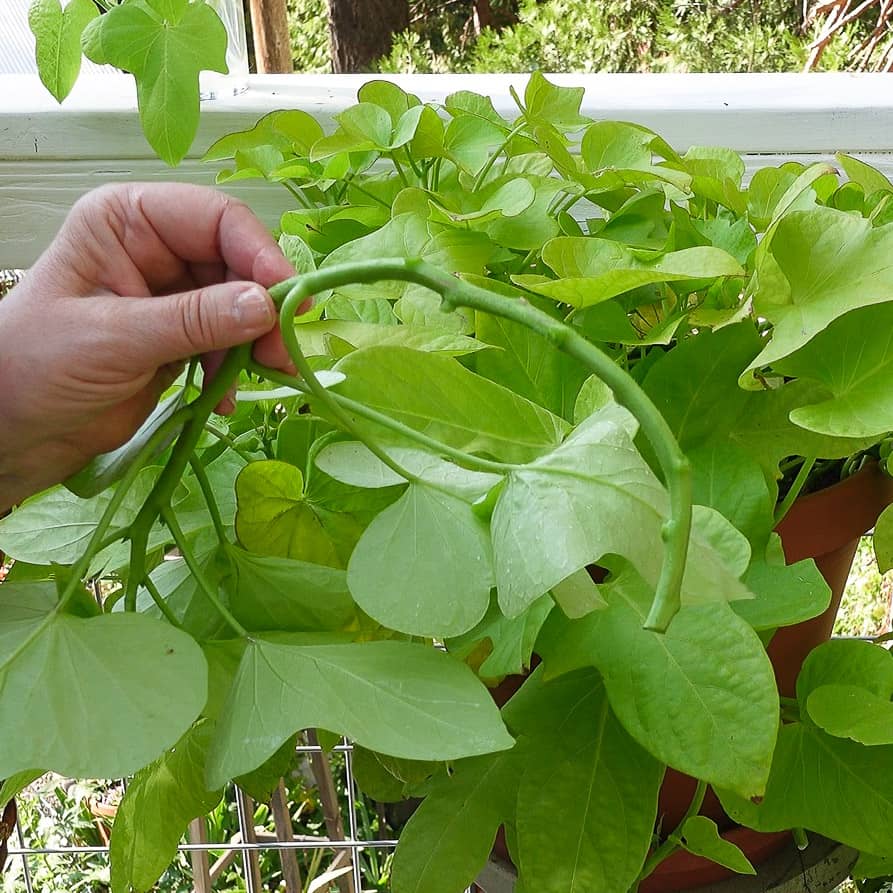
point(49, 853)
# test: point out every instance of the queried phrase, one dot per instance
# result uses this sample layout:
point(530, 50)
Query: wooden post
point(201, 873)
point(328, 799)
point(272, 45)
point(291, 872)
point(251, 860)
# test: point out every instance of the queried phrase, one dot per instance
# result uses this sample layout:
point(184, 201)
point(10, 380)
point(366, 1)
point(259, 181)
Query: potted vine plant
point(540, 348)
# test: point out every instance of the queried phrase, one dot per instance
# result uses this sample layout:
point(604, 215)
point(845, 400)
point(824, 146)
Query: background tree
point(360, 31)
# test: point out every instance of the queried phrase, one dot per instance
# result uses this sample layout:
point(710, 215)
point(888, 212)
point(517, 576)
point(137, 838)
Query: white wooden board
point(51, 154)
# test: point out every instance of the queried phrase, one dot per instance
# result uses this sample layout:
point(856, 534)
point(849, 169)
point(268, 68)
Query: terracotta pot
point(825, 526)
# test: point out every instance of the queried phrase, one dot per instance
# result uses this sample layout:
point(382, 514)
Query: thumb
point(213, 318)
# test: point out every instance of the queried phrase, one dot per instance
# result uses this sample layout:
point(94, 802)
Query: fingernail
point(253, 309)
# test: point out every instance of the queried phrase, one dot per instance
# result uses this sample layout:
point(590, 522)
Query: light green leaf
point(831, 262)
point(870, 866)
point(49, 706)
point(693, 385)
point(559, 106)
point(361, 127)
point(511, 639)
point(390, 780)
point(853, 359)
point(159, 803)
point(186, 599)
point(448, 839)
point(353, 463)
point(502, 198)
point(436, 395)
point(407, 235)
point(785, 594)
point(594, 395)
point(398, 698)
point(868, 177)
point(609, 322)
point(424, 565)
point(527, 362)
point(284, 594)
point(57, 33)
point(714, 163)
point(850, 711)
point(377, 311)
point(260, 783)
point(829, 785)
point(464, 102)
point(578, 595)
point(846, 662)
point(598, 787)
point(701, 837)
point(315, 337)
point(768, 187)
point(469, 141)
point(389, 96)
point(883, 540)
point(728, 479)
point(55, 526)
point(573, 489)
point(288, 130)
point(17, 783)
point(165, 55)
point(274, 518)
point(592, 270)
point(622, 146)
point(711, 718)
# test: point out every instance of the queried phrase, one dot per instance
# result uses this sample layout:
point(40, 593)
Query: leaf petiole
point(674, 840)
point(98, 540)
point(208, 493)
point(201, 579)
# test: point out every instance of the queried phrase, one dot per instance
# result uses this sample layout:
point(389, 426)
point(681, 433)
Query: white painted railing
point(50, 154)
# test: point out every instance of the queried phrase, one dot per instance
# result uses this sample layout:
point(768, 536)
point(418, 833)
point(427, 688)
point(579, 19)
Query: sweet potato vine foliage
point(538, 345)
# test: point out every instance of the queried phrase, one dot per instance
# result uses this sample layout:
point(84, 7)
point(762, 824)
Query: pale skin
point(140, 278)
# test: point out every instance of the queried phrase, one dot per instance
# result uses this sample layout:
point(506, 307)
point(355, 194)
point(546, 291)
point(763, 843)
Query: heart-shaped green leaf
point(424, 565)
point(57, 34)
point(713, 720)
point(398, 698)
point(164, 46)
point(159, 803)
point(90, 697)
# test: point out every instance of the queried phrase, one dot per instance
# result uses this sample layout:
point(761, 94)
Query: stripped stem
point(456, 293)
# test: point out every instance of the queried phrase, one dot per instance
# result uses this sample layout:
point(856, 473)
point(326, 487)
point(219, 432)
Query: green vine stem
point(99, 540)
point(674, 840)
point(796, 487)
point(160, 603)
point(454, 293)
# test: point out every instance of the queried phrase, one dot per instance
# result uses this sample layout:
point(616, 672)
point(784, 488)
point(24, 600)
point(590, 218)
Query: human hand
point(140, 278)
